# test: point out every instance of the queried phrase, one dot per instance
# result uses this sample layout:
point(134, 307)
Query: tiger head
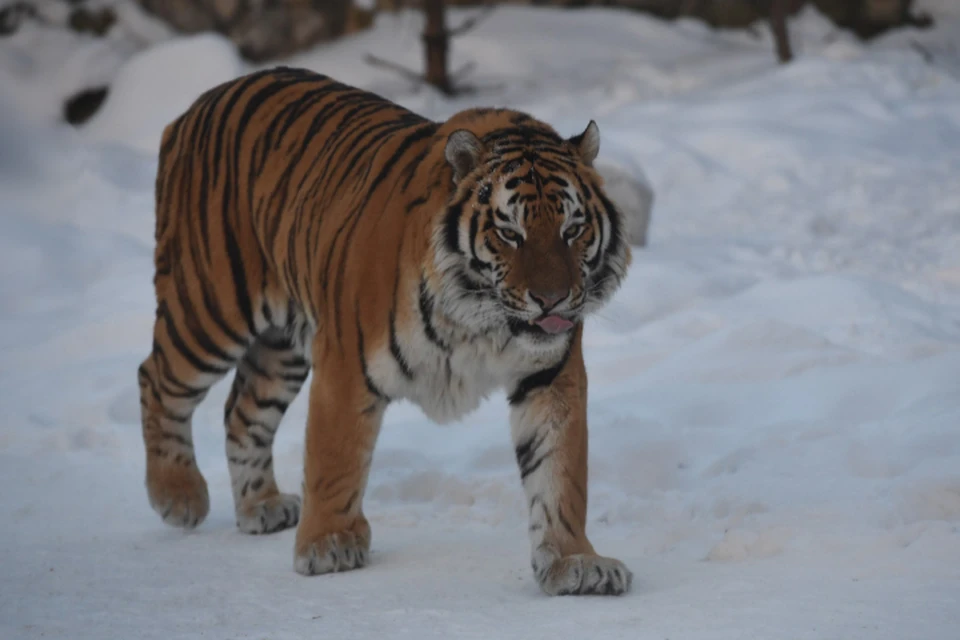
point(529, 240)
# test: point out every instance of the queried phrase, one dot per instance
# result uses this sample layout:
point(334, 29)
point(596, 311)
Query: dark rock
point(81, 107)
point(96, 22)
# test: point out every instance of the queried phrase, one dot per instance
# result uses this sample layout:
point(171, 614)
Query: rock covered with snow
point(155, 86)
point(633, 195)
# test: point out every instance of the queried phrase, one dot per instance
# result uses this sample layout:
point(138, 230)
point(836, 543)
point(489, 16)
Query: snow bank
point(157, 85)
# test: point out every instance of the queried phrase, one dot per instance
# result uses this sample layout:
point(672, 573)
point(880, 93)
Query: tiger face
point(530, 240)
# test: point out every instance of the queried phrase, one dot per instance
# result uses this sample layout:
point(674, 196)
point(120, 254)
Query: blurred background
point(437, 42)
point(774, 392)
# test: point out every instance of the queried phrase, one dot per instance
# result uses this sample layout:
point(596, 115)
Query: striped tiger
point(306, 225)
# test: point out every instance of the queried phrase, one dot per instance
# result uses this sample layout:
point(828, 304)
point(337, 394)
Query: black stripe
point(258, 442)
point(526, 134)
point(174, 417)
point(542, 378)
point(189, 394)
point(528, 469)
point(451, 227)
point(191, 319)
point(281, 191)
point(526, 451)
point(564, 522)
point(371, 387)
point(615, 231)
point(362, 108)
point(177, 341)
point(395, 350)
point(416, 203)
point(200, 140)
point(351, 218)
point(296, 378)
point(173, 133)
point(297, 109)
point(594, 262)
point(239, 88)
point(251, 106)
point(475, 262)
point(176, 437)
point(384, 129)
point(184, 392)
point(238, 272)
point(255, 367)
point(411, 169)
point(295, 361)
point(246, 420)
point(394, 343)
point(346, 508)
point(210, 302)
point(268, 403)
point(470, 288)
point(426, 313)
point(421, 133)
point(166, 374)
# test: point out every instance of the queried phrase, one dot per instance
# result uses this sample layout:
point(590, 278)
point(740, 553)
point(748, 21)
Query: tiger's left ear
point(587, 143)
point(463, 152)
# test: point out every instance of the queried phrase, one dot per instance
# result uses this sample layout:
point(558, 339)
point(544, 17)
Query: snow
point(774, 393)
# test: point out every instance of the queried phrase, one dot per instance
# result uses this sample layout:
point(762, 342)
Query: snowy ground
point(775, 393)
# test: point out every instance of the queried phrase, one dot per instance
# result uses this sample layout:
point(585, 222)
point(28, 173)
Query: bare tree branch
point(436, 39)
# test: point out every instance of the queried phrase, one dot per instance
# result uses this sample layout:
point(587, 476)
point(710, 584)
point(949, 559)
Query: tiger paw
point(179, 494)
point(332, 552)
point(276, 513)
point(580, 574)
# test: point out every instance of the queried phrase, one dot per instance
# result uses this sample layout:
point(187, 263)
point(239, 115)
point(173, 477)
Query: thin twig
point(458, 75)
point(923, 51)
point(471, 22)
point(393, 66)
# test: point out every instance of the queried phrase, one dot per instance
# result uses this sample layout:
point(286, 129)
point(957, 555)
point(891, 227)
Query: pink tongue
point(554, 324)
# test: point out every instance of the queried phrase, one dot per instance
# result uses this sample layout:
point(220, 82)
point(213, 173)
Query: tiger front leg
point(549, 429)
point(343, 421)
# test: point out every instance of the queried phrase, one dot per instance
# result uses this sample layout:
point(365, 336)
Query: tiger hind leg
point(173, 380)
point(268, 379)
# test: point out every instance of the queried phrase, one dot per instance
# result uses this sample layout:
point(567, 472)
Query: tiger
point(307, 226)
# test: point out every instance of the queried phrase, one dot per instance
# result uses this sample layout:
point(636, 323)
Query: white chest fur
point(449, 382)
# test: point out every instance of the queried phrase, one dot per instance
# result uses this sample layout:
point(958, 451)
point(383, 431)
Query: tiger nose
point(548, 299)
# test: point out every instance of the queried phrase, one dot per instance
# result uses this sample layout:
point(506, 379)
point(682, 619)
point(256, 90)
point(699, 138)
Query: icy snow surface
point(774, 394)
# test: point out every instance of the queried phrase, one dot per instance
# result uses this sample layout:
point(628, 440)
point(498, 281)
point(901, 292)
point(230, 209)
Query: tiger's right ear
point(463, 152)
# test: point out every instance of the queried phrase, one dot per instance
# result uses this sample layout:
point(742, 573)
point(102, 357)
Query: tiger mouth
point(553, 324)
point(542, 326)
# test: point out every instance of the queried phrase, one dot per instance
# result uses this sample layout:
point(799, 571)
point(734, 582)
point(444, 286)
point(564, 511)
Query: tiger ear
point(587, 143)
point(463, 152)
